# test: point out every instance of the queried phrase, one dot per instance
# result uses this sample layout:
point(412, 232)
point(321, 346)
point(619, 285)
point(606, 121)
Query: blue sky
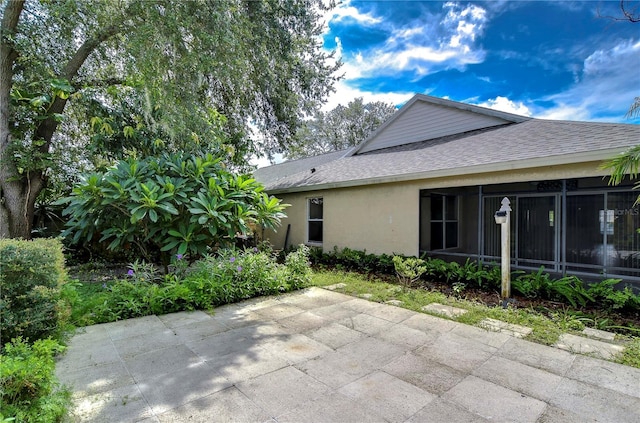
point(553, 60)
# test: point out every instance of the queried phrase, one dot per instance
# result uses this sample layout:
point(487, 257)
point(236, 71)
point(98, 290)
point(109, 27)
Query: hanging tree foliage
point(114, 77)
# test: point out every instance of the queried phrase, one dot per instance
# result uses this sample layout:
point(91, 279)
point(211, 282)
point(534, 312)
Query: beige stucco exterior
point(384, 217)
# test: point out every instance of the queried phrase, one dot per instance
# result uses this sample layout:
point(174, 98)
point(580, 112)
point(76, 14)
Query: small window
point(444, 221)
point(314, 220)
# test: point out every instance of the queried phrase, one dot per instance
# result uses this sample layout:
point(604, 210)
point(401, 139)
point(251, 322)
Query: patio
point(321, 356)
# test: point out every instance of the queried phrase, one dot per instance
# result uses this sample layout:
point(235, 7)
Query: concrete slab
point(172, 390)
point(387, 396)
point(494, 402)
point(396, 303)
point(278, 311)
point(426, 374)
point(131, 328)
point(295, 348)
point(457, 352)
point(428, 323)
point(312, 298)
point(391, 314)
point(294, 388)
point(581, 345)
point(124, 404)
point(538, 356)
point(335, 286)
point(175, 320)
point(444, 310)
point(623, 379)
point(239, 367)
point(558, 415)
point(507, 328)
point(593, 402)
point(96, 379)
point(600, 334)
point(150, 341)
point(160, 362)
point(228, 405)
point(335, 335)
point(440, 410)
point(88, 354)
point(366, 323)
point(333, 407)
point(407, 337)
point(519, 377)
point(484, 336)
point(335, 312)
point(198, 330)
point(303, 322)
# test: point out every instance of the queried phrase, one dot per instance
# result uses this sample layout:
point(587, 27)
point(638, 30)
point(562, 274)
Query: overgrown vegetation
point(230, 276)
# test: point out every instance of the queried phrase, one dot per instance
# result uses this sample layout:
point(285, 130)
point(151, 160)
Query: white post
point(506, 252)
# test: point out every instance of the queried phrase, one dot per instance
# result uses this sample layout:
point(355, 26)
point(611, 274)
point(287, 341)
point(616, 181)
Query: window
point(444, 221)
point(314, 220)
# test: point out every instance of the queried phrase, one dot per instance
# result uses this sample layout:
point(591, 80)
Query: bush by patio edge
point(229, 277)
point(31, 279)
point(29, 391)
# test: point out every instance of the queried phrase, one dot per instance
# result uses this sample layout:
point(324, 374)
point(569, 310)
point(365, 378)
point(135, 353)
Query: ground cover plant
point(229, 276)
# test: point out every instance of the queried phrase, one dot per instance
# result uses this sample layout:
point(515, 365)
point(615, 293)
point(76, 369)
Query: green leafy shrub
point(29, 391)
point(173, 203)
point(606, 295)
point(31, 279)
point(229, 276)
point(408, 269)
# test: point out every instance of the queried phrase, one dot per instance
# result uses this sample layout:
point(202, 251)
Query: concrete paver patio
point(321, 356)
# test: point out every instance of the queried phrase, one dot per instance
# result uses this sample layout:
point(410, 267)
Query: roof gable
point(425, 117)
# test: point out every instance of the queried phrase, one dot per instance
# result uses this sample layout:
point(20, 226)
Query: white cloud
point(344, 11)
point(606, 86)
point(505, 105)
point(428, 43)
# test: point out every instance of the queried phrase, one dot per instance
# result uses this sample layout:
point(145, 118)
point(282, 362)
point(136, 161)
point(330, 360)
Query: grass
point(546, 330)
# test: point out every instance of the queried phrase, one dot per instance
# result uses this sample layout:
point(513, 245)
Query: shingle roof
point(530, 143)
point(270, 174)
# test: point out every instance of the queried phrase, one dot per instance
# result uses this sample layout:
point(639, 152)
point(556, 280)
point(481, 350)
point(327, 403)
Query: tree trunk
point(13, 220)
point(18, 192)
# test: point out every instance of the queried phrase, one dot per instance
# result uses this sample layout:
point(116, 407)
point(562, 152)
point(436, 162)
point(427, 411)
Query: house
point(430, 179)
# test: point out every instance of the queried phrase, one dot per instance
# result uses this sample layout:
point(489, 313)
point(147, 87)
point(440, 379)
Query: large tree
point(160, 72)
point(340, 128)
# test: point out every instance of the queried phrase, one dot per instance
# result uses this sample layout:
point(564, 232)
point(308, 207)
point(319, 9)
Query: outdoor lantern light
point(501, 217)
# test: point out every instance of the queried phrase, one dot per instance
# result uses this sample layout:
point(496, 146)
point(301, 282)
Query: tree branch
point(46, 129)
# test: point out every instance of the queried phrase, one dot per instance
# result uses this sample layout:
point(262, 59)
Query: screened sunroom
point(570, 226)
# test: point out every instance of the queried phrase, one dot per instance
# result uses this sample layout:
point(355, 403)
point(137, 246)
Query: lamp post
point(503, 218)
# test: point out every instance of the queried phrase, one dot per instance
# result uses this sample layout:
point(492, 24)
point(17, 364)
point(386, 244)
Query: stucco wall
point(384, 218)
